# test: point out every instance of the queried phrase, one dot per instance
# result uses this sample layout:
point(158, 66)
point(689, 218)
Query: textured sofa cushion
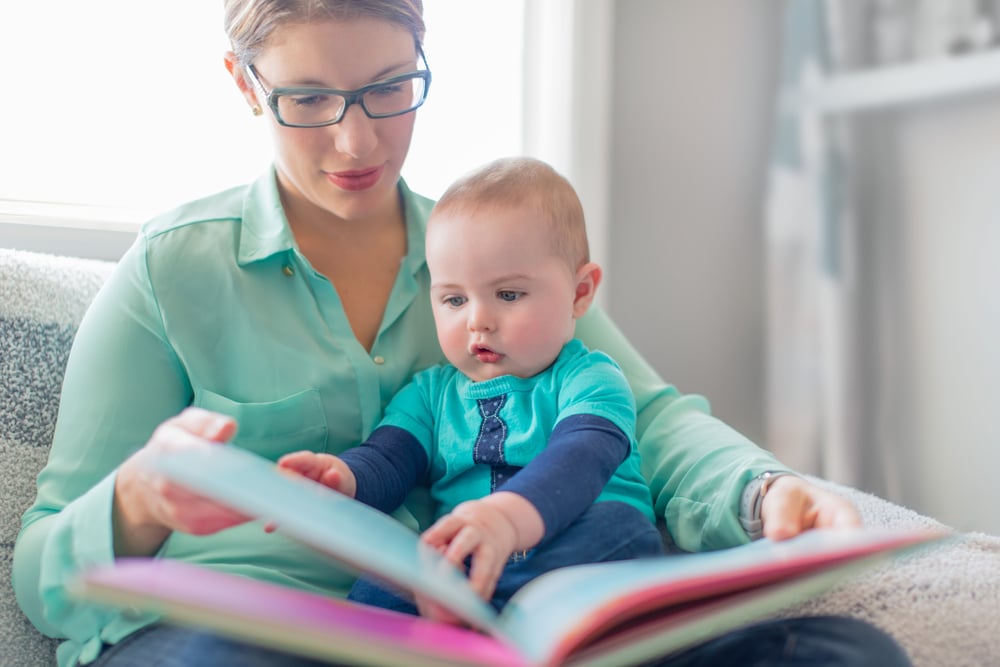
point(42, 298)
point(941, 604)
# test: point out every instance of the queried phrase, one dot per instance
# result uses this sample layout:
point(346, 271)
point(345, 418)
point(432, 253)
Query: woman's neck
point(361, 258)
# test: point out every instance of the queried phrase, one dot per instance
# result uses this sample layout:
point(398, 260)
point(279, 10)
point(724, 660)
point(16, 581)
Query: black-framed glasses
point(317, 107)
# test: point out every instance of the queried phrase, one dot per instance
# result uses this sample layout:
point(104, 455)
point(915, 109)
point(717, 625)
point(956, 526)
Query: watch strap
point(752, 500)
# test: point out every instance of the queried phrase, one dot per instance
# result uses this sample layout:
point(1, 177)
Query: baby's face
point(502, 300)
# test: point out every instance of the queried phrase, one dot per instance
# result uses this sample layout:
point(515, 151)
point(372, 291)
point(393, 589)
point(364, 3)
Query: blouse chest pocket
point(273, 428)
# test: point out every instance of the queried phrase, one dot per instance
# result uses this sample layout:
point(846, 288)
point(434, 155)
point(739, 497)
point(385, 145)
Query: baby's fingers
point(331, 478)
point(443, 531)
point(307, 464)
point(487, 566)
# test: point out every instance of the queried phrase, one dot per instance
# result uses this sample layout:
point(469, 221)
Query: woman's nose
point(355, 133)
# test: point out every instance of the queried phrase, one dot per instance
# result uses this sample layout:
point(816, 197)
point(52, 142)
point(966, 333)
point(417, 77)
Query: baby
point(526, 438)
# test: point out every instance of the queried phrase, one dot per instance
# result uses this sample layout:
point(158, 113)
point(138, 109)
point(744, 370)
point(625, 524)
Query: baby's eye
point(509, 295)
point(454, 301)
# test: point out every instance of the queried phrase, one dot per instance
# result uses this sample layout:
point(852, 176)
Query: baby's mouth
point(485, 354)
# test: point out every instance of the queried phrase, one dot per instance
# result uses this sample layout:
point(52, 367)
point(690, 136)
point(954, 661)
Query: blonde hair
point(249, 23)
point(525, 183)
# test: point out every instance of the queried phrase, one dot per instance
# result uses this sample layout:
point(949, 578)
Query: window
point(118, 109)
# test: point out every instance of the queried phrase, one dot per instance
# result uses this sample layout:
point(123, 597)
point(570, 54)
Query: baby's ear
point(588, 277)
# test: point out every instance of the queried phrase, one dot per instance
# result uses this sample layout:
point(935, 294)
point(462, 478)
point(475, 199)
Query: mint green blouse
point(215, 306)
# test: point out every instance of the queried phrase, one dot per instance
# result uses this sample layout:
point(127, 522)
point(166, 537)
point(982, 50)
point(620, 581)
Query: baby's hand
point(489, 530)
point(326, 469)
point(479, 529)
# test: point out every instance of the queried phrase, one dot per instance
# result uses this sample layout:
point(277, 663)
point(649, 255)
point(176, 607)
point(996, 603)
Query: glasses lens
point(309, 108)
point(395, 97)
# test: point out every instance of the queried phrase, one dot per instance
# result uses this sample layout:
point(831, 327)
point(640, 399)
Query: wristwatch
point(753, 499)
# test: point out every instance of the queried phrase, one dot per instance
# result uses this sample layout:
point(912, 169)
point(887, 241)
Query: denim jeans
point(821, 641)
point(796, 642)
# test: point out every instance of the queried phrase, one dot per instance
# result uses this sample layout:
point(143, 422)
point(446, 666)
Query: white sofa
point(943, 605)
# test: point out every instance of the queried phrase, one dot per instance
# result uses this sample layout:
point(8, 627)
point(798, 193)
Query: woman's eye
point(310, 100)
point(508, 295)
point(387, 89)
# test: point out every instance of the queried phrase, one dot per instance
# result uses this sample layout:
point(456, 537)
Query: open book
point(618, 613)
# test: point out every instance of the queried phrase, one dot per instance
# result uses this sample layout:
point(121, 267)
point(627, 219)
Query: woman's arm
point(121, 381)
point(695, 464)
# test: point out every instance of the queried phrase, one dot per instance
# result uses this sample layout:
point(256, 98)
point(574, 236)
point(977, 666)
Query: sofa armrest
point(42, 299)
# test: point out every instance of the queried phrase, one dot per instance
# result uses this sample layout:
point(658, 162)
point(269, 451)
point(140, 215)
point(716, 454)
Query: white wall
point(694, 85)
point(947, 172)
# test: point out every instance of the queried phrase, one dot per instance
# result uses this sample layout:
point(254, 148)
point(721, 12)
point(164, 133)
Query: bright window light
point(127, 105)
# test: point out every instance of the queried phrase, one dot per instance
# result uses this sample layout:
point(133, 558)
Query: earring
point(256, 110)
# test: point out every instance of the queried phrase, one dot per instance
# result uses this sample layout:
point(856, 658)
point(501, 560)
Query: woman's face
point(349, 169)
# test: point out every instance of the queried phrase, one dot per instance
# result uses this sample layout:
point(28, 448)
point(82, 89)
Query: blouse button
point(288, 271)
point(379, 360)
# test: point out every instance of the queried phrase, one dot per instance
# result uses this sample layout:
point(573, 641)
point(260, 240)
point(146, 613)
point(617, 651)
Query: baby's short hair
point(525, 183)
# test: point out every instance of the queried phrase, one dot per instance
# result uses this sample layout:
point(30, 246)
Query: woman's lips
point(356, 179)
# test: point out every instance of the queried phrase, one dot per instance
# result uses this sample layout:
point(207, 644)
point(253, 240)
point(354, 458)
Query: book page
point(615, 612)
point(661, 634)
point(328, 521)
point(288, 619)
point(563, 610)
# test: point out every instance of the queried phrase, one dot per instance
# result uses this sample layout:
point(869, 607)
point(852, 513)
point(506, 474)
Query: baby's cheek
point(453, 343)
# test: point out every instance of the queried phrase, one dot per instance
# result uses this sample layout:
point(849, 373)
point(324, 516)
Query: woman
point(283, 315)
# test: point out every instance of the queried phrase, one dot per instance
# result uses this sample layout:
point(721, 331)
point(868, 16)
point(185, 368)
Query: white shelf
point(897, 85)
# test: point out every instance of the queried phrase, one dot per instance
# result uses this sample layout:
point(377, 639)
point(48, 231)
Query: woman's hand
point(792, 505)
point(148, 507)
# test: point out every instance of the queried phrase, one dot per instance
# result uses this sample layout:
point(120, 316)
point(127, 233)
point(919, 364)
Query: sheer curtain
point(840, 331)
point(812, 385)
